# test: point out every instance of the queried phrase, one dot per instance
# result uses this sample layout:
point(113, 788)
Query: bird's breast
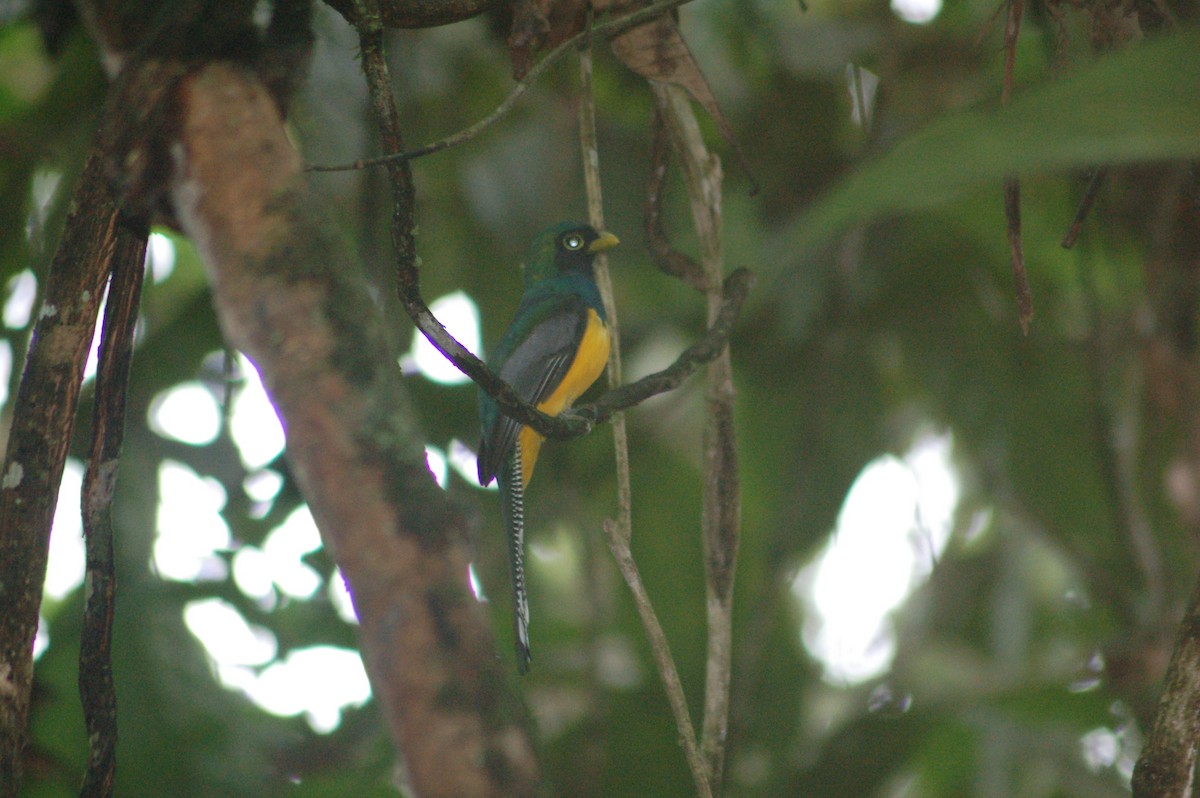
point(586, 368)
point(589, 362)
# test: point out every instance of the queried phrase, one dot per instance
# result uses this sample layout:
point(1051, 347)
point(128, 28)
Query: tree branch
point(1012, 185)
point(290, 296)
point(96, 691)
point(607, 30)
point(662, 657)
point(1167, 764)
point(1095, 183)
point(720, 518)
point(666, 257)
point(591, 174)
point(619, 532)
point(43, 416)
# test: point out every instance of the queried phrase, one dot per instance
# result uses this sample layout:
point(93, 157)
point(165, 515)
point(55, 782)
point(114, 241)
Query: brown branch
point(43, 416)
point(477, 745)
point(407, 275)
point(407, 14)
point(289, 295)
point(387, 117)
point(1012, 185)
point(96, 690)
point(668, 259)
point(721, 513)
point(590, 151)
point(607, 29)
point(1167, 764)
point(619, 532)
point(1099, 174)
point(661, 650)
point(1012, 215)
point(591, 173)
point(580, 420)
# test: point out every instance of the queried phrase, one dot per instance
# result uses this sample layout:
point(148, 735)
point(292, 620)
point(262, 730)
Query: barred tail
point(512, 490)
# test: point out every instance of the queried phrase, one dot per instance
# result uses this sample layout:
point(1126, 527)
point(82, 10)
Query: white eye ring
point(573, 242)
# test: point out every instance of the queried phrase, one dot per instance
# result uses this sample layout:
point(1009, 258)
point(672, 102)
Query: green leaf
point(1137, 105)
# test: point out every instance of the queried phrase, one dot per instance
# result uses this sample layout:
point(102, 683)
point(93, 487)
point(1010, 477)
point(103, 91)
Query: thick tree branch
point(289, 295)
point(43, 416)
point(1167, 765)
point(97, 693)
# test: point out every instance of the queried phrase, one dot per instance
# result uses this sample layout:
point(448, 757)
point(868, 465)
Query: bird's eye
point(573, 241)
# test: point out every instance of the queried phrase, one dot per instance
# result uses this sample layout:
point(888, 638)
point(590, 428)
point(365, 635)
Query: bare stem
point(721, 513)
point(96, 690)
point(620, 531)
point(591, 175)
point(1012, 185)
point(662, 656)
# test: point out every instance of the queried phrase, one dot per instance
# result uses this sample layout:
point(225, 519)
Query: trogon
point(554, 349)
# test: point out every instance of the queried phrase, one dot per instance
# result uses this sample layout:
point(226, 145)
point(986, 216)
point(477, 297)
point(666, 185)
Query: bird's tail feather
point(513, 501)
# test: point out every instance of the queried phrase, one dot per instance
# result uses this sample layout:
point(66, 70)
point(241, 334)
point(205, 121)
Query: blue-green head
point(566, 248)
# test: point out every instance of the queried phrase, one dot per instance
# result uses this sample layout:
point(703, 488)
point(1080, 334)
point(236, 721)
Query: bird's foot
point(585, 414)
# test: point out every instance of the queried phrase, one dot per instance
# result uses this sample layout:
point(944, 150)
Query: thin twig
point(606, 30)
point(96, 691)
point(1012, 215)
point(1012, 185)
point(721, 513)
point(1085, 206)
point(668, 259)
point(661, 651)
point(591, 176)
point(620, 532)
point(387, 116)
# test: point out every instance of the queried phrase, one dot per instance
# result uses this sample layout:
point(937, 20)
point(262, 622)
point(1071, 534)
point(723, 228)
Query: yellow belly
point(585, 369)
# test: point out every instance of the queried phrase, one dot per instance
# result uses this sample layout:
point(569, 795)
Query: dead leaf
point(540, 25)
point(657, 51)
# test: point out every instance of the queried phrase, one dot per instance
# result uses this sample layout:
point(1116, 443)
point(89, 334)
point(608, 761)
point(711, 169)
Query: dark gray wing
point(534, 369)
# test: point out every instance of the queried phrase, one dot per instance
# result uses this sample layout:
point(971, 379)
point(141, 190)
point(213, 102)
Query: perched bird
point(555, 348)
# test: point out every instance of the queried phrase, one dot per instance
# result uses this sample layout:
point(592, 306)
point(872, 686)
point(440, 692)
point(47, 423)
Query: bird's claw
point(585, 414)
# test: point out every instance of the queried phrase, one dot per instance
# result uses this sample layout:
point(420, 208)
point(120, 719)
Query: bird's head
point(564, 248)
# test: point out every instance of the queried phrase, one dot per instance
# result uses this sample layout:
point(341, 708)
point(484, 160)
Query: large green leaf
point(1137, 105)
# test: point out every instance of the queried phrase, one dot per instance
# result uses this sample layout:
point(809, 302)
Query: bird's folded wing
point(537, 364)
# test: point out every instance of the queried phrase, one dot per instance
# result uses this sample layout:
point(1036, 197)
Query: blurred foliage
point(883, 311)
